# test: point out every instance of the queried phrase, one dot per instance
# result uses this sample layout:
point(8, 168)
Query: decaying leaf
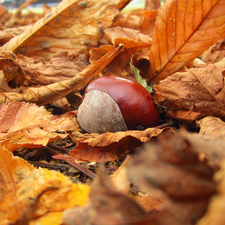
point(216, 210)
point(120, 65)
point(215, 52)
point(183, 31)
point(21, 184)
point(120, 179)
point(4, 87)
point(211, 125)
point(61, 66)
point(107, 206)
point(73, 25)
point(27, 125)
point(112, 146)
point(184, 115)
point(198, 89)
point(171, 169)
point(112, 33)
point(45, 94)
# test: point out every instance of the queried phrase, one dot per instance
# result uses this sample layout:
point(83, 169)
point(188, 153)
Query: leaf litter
point(172, 174)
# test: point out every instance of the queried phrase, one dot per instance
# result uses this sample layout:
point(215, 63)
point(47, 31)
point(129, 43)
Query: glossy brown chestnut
point(134, 101)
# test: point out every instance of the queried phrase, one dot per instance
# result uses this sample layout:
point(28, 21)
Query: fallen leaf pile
point(53, 172)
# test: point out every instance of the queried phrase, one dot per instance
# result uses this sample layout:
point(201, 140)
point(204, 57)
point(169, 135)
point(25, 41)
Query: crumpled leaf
point(183, 31)
point(73, 25)
point(198, 89)
point(171, 169)
point(61, 66)
point(45, 94)
point(215, 52)
point(120, 65)
point(111, 146)
point(21, 183)
point(107, 206)
point(4, 87)
point(211, 125)
point(27, 125)
point(216, 210)
point(111, 34)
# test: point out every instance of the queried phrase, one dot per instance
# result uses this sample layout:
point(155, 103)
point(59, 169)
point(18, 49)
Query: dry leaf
point(61, 66)
point(4, 87)
point(216, 210)
point(128, 20)
point(73, 26)
point(212, 126)
point(107, 206)
point(120, 65)
point(27, 125)
point(120, 179)
point(111, 146)
point(112, 33)
point(21, 183)
point(171, 168)
point(148, 22)
point(4, 37)
point(215, 52)
point(49, 93)
point(198, 89)
point(152, 4)
point(184, 115)
point(183, 31)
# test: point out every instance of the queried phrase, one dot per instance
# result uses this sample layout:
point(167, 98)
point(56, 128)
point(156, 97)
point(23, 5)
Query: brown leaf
point(49, 93)
point(128, 20)
point(212, 126)
point(216, 210)
point(183, 31)
point(4, 37)
point(111, 146)
point(120, 65)
point(61, 66)
point(107, 206)
point(148, 22)
point(30, 126)
point(152, 4)
point(198, 89)
point(171, 168)
point(112, 33)
point(120, 179)
point(215, 52)
point(73, 25)
point(184, 115)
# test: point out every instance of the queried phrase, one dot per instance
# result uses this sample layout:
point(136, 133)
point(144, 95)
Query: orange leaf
point(73, 26)
point(184, 30)
point(27, 125)
point(111, 146)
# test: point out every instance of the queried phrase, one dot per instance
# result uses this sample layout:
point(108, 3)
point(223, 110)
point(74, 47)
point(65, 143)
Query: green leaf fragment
point(140, 80)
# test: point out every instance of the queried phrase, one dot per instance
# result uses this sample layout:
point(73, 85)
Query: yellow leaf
point(20, 183)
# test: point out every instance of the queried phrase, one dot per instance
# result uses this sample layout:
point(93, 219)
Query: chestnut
point(113, 104)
